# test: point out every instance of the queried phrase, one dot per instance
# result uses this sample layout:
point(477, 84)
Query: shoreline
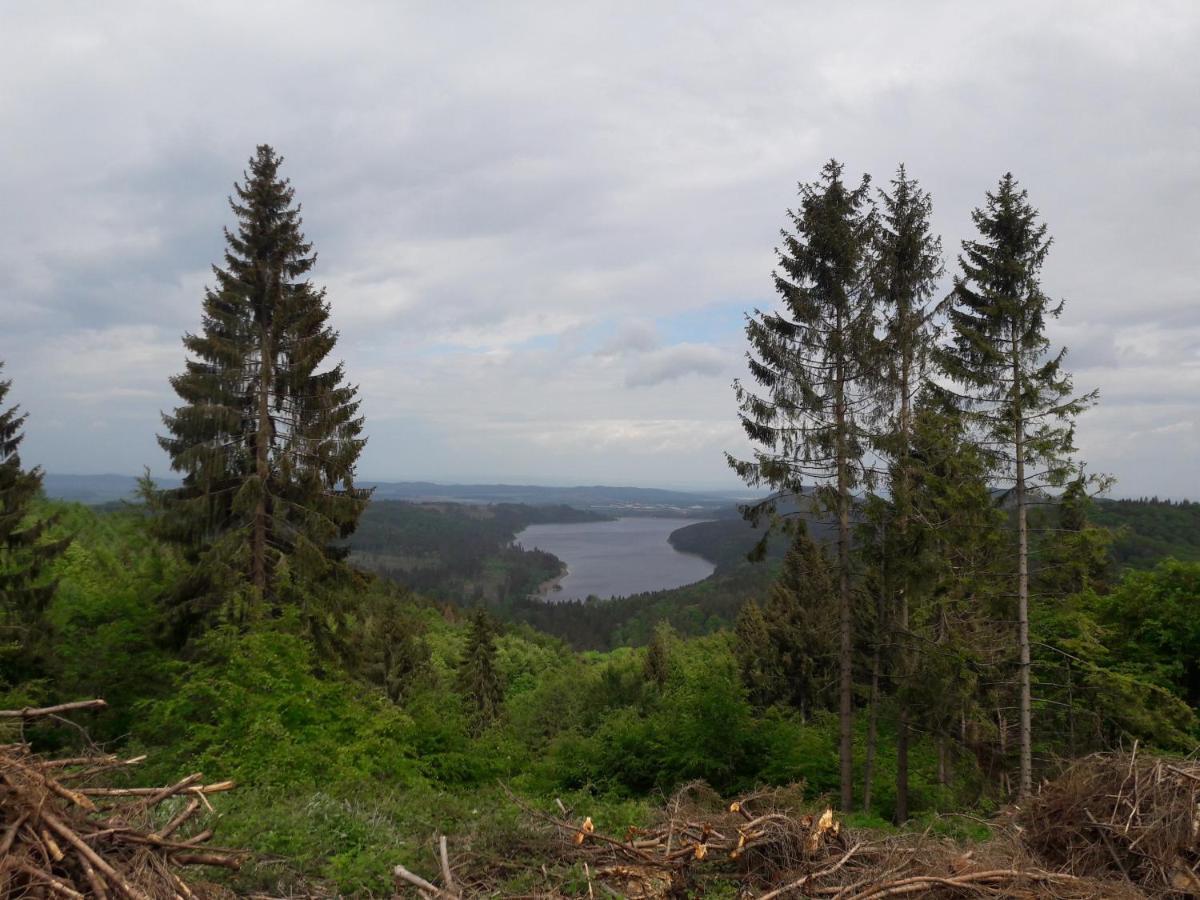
point(546, 590)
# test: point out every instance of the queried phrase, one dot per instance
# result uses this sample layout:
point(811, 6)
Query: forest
point(937, 626)
point(456, 552)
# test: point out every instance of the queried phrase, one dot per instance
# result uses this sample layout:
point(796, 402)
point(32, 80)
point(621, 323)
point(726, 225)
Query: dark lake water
point(617, 558)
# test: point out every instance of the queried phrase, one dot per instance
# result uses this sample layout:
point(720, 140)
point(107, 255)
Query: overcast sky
point(541, 224)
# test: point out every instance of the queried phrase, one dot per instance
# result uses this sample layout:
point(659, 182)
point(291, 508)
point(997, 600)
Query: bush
point(255, 710)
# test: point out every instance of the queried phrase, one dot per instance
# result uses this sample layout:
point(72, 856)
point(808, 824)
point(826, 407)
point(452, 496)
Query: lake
point(616, 558)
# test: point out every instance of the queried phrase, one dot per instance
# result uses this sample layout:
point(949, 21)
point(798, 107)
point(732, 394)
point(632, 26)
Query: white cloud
point(495, 196)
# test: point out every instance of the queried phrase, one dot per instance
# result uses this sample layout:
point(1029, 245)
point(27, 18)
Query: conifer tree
point(758, 663)
point(478, 676)
point(268, 432)
point(787, 648)
point(908, 264)
point(1075, 552)
point(801, 613)
point(1013, 385)
point(813, 362)
point(26, 550)
point(954, 556)
point(387, 645)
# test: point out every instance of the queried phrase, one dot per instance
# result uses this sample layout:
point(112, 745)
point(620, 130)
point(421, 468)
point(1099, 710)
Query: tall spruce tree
point(758, 663)
point(1075, 553)
point(268, 433)
point(813, 362)
point(1014, 388)
point(953, 555)
point(787, 649)
point(26, 550)
point(479, 680)
point(908, 265)
point(801, 612)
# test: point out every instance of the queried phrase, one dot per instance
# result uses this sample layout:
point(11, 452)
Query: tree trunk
point(943, 761)
point(902, 660)
point(1026, 707)
point(262, 442)
point(872, 732)
point(881, 623)
point(1002, 744)
point(846, 652)
point(1070, 713)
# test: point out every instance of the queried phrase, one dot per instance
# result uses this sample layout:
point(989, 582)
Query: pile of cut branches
point(768, 848)
point(1128, 816)
point(1124, 827)
point(64, 834)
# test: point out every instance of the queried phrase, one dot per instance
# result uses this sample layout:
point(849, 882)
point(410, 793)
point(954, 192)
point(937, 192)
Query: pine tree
point(813, 362)
point(478, 676)
point(801, 613)
point(387, 645)
point(1075, 552)
point(954, 556)
point(26, 550)
point(758, 661)
point(268, 434)
point(1014, 388)
point(787, 648)
point(908, 264)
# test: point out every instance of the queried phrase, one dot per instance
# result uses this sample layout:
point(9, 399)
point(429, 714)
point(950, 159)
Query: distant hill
point(98, 489)
point(1150, 530)
point(94, 490)
point(604, 498)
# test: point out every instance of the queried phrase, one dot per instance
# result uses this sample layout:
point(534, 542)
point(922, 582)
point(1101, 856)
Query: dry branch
point(1122, 827)
point(55, 842)
point(30, 712)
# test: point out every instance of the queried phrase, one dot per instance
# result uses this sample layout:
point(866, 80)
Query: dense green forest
point(924, 639)
point(265, 707)
point(461, 554)
point(1149, 530)
point(458, 552)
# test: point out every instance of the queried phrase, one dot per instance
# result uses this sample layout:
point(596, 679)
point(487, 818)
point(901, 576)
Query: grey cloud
point(671, 363)
point(492, 195)
point(632, 337)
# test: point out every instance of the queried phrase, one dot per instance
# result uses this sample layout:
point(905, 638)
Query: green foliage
point(657, 667)
point(479, 680)
point(267, 435)
point(1149, 530)
point(458, 552)
point(786, 649)
point(385, 644)
point(1154, 619)
point(698, 726)
point(107, 612)
point(1073, 554)
point(26, 552)
point(253, 707)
